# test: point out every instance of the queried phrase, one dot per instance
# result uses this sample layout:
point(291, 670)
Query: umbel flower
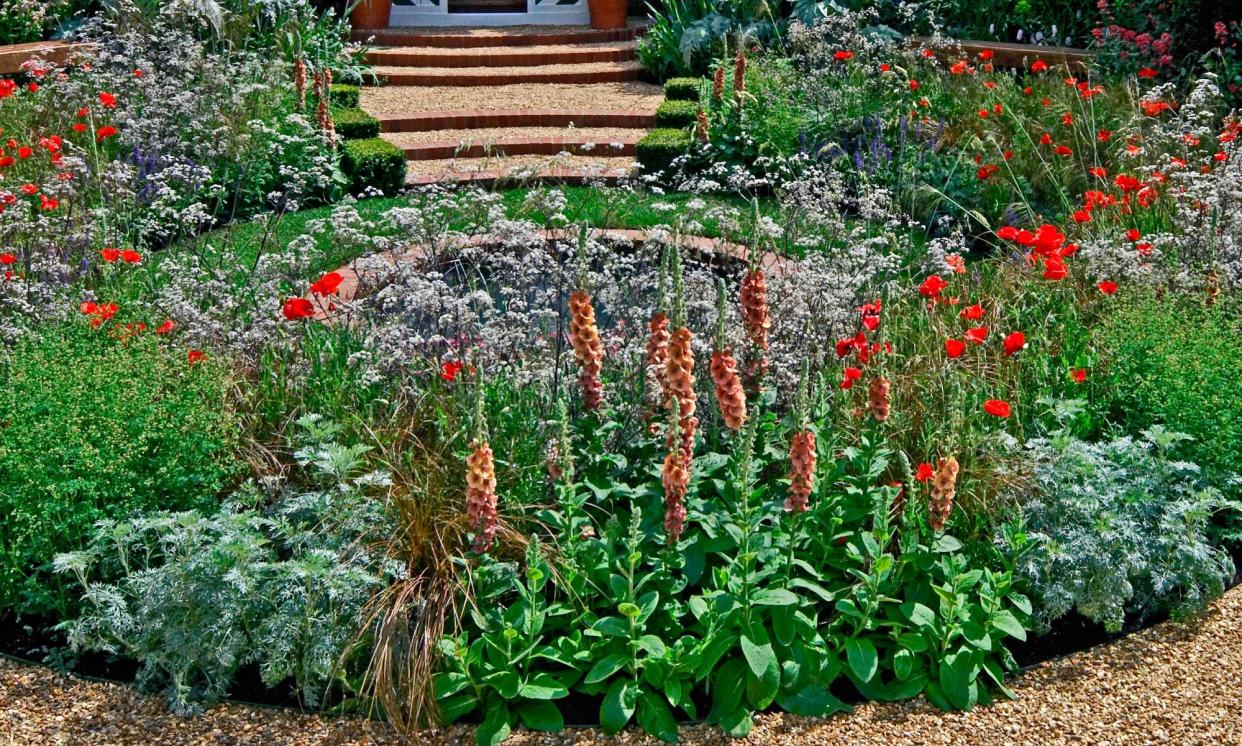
point(730, 396)
point(944, 488)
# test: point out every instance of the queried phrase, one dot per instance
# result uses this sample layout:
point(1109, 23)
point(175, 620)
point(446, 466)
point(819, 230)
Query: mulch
point(1175, 683)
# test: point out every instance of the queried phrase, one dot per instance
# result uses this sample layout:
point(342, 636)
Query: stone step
point(413, 101)
point(512, 36)
point(485, 119)
point(503, 142)
point(591, 72)
point(511, 56)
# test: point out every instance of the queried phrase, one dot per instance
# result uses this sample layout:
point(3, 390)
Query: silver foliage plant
point(1119, 527)
point(194, 597)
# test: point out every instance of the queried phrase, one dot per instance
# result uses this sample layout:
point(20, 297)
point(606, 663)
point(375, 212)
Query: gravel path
point(1171, 684)
point(626, 96)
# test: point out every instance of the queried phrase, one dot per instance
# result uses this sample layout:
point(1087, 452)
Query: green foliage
point(93, 428)
point(200, 594)
point(1119, 527)
point(683, 89)
point(753, 607)
point(659, 148)
point(355, 124)
point(373, 163)
point(343, 96)
point(1176, 362)
point(676, 114)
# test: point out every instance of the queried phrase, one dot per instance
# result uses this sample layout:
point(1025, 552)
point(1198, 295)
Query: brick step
point(475, 120)
point(529, 56)
point(592, 72)
point(495, 37)
point(449, 144)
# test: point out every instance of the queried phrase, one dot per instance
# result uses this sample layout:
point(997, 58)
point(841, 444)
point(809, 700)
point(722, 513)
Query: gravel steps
point(624, 96)
point(1175, 683)
point(488, 170)
point(478, 143)
point(475, 38)
point(503, 56)
point(586, 72)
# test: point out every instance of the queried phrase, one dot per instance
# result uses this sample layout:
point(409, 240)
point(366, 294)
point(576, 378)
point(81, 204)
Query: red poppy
point(1107, 287)
point(978, 335)
point(1054, 268)
point(7, 259)
point(954, 348)
point(298, 308)
point(1014, 342)
point(450, 369)
point(914, 85)
point(972, 313)
point(110, 255)
point(329, 284)
point(131, 256)
point(1133, 234)
point(107, 99)
point(194, 357)
point(1147, 72)
point(932, 286)
point(925, 472)
point(842, 55)
point(1079, 375)
point(997, 408)
point(1081, 216)
point(165, 327)
point(104, 133)
point(1038, 66)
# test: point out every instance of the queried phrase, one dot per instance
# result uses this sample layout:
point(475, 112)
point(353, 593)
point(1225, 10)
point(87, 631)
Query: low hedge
point(343, 96)
point(676, 114)
point(355, 124)
point(657, 150)
point(683, 89)
point(373, 163)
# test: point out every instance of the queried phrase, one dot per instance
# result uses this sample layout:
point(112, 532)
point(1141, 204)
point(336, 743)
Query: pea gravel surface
point(1176, 683)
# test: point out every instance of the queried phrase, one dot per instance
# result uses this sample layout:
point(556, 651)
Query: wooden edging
point(1007, 54)
point(13, 56)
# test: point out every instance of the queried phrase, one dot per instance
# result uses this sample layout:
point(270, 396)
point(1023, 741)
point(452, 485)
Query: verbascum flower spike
point(584, 337)
point(481, 484)
point(659, 335)
point(299, 82)
point(878, 393)
point(675, 478)
point(703, 128)
point(681, 363)
point(739, 75)
point(802, 460)
point(718, 84)
point(753, 298)
point(730, 396)
point(944, 488)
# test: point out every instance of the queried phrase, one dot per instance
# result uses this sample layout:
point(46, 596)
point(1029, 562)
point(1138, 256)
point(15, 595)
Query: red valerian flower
point(925, 472)
point(298, 308)
point(1014, 342)
point(997, 408)
point(165, 327)
point(450, 369)
point(1107, 287)
point(194, 357)
point(972, 313)
point(329, 284)
point(932, 286)
point(954, 348)
point(1079, 375)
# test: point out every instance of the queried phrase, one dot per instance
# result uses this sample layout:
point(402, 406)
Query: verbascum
point(878, 393)
point(730, 396)
point(657, 352)
point(676, 479)
point(588, 352)
point(944, 488)
point(739, 76)
point(802, 460)
point(753, 297)
point(481, 495)
point(703, 128)
point(681, 387)
point(299, 82)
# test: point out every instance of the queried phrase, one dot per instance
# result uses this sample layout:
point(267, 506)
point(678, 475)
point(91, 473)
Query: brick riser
point(487, 180)
point(459, 120)
point(493, 59)
point(396, 38)
point(447, 149)
point(505, 78)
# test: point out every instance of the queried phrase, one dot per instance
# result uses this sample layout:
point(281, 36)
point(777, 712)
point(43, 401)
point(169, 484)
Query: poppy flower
point(986, 54)
point(450, 369)
point(997, 408)
point(885, 67)
point(110, 255)
point(954, 348)
point(103, 133)
point(1133, 234)
point(972, 313)
point(1007, 232)
point(1054, 269)
point(329, 284)
point(193, 357)
point(298, 308)
point(107, 99)
point(925, 472)
point(131, 256)
point(1107, 287)
point(1147, 72)
point(1081, 216)
point(978, 334)
point(932, 286)
point(1039, 66)
point(165, 327)
point(914, 85)
point(8, 259)
point(1014, 342)
point(842, 55)
point(1079, 375)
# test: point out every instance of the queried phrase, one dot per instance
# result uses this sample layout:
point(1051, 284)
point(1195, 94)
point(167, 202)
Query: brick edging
point(396, 37)
point(485, 57)
point(506, 77)
point(444, 149)
point(497, 118)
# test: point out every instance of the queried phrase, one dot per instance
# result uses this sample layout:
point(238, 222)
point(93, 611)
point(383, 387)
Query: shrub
point(373, 163)
point(676, 114)
point(1177, 362)
point(1119, 527)
point(93, 428)
point(343, 96)
point(355, 124)
point(683, 89)
point(201, 594)
point(659, 148)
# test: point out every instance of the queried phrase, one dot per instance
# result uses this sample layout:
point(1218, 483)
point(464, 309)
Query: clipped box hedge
point(683, 89)
point(676, 114)
point(657, 150)
point(343, 96)
point(373, 163)
point(355, 124)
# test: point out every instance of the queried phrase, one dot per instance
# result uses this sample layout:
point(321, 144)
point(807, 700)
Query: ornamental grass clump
point(730, 396)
